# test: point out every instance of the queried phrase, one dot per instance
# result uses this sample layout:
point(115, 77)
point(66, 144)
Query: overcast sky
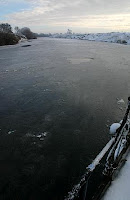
point(59, 15)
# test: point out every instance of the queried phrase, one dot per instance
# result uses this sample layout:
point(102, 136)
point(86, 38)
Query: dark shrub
point(124, 42)
point(8, 39)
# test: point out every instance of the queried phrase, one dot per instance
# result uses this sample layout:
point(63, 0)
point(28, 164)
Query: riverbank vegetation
point(8, 37)
point(25, 33)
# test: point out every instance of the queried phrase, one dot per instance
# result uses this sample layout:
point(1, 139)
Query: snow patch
point(114, 127)
point(113, 37)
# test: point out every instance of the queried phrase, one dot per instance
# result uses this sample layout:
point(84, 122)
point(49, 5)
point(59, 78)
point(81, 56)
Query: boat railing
point(113, 153)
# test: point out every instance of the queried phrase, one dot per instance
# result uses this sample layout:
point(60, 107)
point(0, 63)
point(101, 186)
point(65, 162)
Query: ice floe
point(10, 132)
point(120, 101)
point(41, 136)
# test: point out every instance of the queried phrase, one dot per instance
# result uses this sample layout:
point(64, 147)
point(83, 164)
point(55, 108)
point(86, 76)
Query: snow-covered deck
point(120, 187)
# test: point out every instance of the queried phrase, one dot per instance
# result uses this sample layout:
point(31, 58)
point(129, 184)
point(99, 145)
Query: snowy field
point(114, 37)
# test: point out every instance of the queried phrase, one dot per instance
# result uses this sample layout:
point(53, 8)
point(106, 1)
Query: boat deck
point(120, 187)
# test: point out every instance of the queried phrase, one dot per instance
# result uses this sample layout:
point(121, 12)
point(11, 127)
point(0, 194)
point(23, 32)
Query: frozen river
point(57, 99)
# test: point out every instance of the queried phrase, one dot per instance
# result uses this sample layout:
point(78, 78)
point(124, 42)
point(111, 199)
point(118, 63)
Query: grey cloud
point(52, 12)
point(86, 6)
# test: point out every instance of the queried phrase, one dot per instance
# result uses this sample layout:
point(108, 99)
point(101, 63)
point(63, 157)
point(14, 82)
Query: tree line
point(8, 37)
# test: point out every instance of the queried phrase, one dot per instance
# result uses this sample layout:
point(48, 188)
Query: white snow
point(39, 136)
point(113, 37)
point(97, 160)
point(120, 187)
point(114, 127)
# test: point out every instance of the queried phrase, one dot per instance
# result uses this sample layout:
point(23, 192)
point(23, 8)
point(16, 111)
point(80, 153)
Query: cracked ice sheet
point(120, 187)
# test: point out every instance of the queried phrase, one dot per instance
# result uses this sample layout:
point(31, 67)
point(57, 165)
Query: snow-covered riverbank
point(114, 37)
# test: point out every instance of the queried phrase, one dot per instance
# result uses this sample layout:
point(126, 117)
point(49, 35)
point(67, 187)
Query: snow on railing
point(75, 190)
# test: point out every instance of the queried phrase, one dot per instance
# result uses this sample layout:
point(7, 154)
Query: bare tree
point(5, 28)
point(16, 29)
point(7, 37)
point(18, 32)
point(28, 33)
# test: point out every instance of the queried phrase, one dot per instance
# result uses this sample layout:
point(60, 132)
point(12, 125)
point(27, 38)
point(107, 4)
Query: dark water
point(67, 90)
